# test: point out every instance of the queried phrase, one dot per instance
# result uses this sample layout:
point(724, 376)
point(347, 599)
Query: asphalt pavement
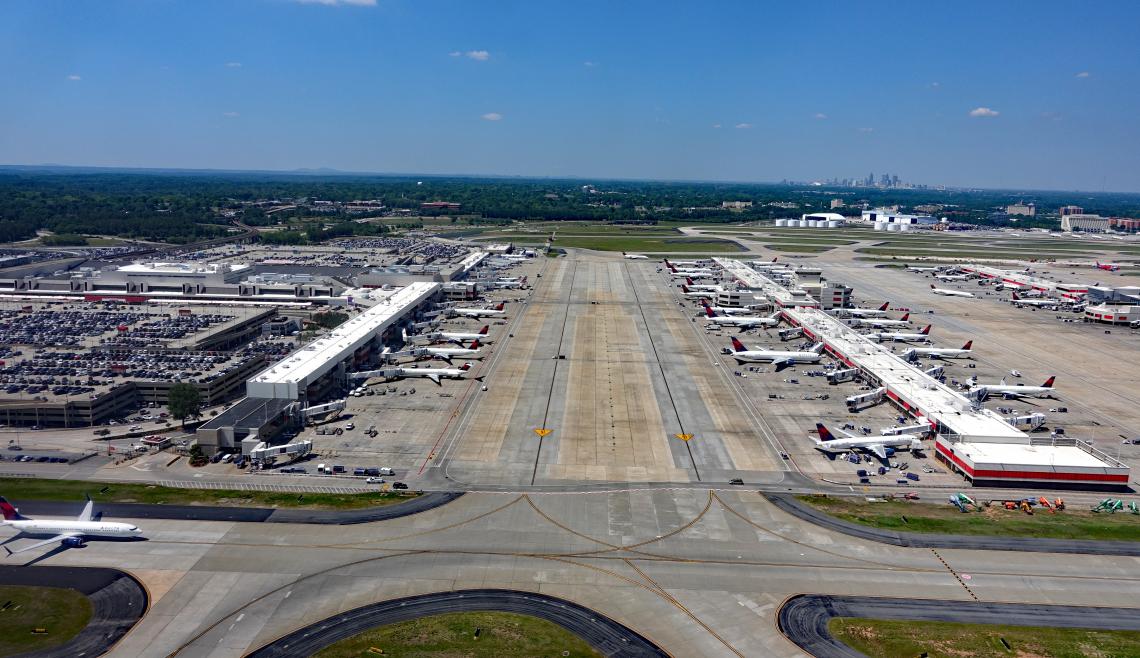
point(605, 635)
point(118, 602)
point(808, 513)
point(803, 619)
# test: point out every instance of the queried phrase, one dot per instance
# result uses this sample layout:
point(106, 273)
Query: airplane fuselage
point(86, 528)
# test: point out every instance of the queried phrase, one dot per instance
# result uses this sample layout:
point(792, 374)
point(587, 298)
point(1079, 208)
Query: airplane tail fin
point(969, 345)
point(774, 258)
point(1016, 296)
point(684, 288)
point(484, 330)
point(465, 367)
point(1049, 382)
point(824, 433)
point(475, 344)
point(817, 348)
point(709, 312)
point(501, 306)
point(884, 306)
point(906, 318)
point(925, 330)
point(738, 346)
point(689, 280)
point(10, 513)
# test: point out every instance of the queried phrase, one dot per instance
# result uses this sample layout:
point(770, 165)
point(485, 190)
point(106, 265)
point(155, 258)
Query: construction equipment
point(1109, 505)
point(962, 502)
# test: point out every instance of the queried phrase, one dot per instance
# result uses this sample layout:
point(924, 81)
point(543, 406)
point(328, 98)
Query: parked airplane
point(939, 352)
point(914, 268)
point(876, 445)
point(434, 374)
point(449, 353)
point(684, 263)
point(951, 277)
point(702, 286)
point(694, 294)
point(724, 310)
point(901, 337)
point(742, 321)
point(458, 337)
point(879, 323)
point(950, 293)
point(865, 312)
point(779, 358)
point(1041, 303)
point(72, 534)
point(505, 284)
point(634, 256)
point(1107, 267)
point(1013, 390)
point(479, 312)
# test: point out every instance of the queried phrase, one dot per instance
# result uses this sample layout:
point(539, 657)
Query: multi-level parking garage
point(970, 438)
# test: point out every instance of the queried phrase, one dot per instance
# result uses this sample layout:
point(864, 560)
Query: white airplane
point(865, 312)
point(458, 337)
point(724, 310)
point(951, 277)
point(634, 256)
point(434, 374)
point(692, 274)
point(448, 353)
point(901, 337)
point(684, 263)
point(742, 321)
point(1014, 390)
point(876, 445)
point(702, 286)
point(72, 534)
point(880, 323)
point(913, 268)
point(510, 284)
point(940, 352)
point(479, 312)
point(694, 294)
point(1041, 303)
point(950, 293)
point(779, 358)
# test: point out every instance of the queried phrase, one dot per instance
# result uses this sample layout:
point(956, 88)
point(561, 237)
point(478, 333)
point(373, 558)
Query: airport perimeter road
point(696, 572)
point(804, 618)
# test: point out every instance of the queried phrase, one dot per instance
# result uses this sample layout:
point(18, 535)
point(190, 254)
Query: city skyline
point(595, 91)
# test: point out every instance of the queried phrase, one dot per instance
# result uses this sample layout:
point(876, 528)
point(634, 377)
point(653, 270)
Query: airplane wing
point(782, 363)
point(434, 378)
point(57, 538)
point(85, 515)
point(878, 449)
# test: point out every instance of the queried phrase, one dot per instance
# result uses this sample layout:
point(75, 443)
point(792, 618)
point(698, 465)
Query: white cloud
point(478, 55)
point(589, 64)
point(935, 85)
point(230, 115)
point(716, 125)
point(743, 126)
point(866, 130)
point(455, 53)
point(492, 116)
point(333, 3)
point(233, 65)
point(1083, 74)
point(74, 77)
point(983, 112)
point(820, 115)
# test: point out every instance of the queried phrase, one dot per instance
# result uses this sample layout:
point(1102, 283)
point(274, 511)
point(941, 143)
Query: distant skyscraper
point(894, 181)
point(885, 181)
point(871, 178)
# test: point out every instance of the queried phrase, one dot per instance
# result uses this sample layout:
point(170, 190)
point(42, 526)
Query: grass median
point(466, 634)
point(994, 520)
point(906, 639)
point(74, 490)
point(59, 613)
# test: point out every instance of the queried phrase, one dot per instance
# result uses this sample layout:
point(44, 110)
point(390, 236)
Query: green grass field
point(453, 636)
point(61, 612)
point(44, 489)
point(920, 517)
point(649, 244)
point(906, 639)
point(800, 248)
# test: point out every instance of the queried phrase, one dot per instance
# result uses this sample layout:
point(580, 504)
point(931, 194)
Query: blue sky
point(744, 91)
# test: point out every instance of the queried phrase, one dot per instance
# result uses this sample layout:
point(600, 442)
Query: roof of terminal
point(312, 360)
point(1020, 454)
point(757, 281)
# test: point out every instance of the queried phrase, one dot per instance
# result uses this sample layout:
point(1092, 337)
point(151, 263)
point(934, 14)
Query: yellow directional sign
point(683, 437)
point(542, 431)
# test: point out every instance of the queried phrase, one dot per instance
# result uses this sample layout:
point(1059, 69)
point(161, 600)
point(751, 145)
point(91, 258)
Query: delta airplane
point(434, 374)
point(940, 352)
point(684, 263)
point(913, 268)
point(458, 337)
point(951, 277)
point(511, 283)
point(902, 337)
point(1041, 303)
point(742, 321)
point(1013, 390)
point(479, 312)
point(724, 310)
point(876, 445)
point(702, 286)
point(866, 312)
point(71, 534)
point(692, 274)
point(779, 358)
point(950, 293)
point(448, 353)
point(634, 256)
point(695, 294)
point(1107, 267)
point(884, 322)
